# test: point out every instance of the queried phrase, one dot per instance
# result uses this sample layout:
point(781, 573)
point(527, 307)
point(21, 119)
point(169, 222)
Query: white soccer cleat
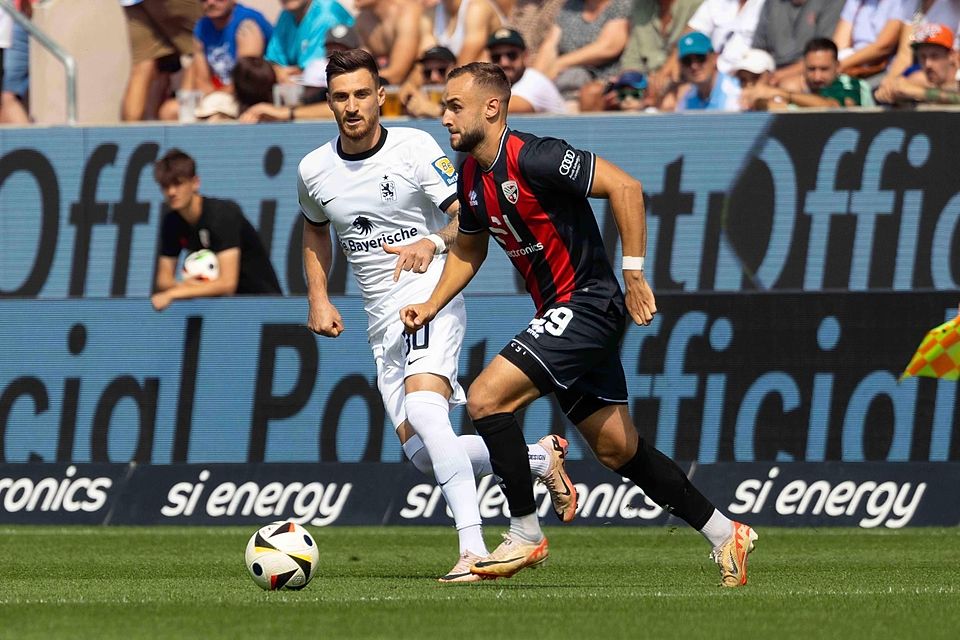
point(562, 492)
point(731, 556)
point(461, 571)
point(511, 556)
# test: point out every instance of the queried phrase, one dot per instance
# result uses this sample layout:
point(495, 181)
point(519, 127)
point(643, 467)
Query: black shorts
point(574, 351)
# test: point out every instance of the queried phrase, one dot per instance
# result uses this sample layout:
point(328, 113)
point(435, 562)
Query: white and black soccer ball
point(202, 264)
point(282, 555)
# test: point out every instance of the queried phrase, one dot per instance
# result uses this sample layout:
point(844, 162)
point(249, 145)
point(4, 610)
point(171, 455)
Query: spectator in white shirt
point(530, 90)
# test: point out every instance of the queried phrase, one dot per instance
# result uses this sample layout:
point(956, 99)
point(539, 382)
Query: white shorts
point(434, 349)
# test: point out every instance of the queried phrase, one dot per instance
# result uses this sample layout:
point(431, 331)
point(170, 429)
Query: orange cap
point(931, 33)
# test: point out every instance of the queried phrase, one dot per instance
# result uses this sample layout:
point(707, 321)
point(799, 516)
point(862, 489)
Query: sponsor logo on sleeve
point(570, 165)
point(445, 169)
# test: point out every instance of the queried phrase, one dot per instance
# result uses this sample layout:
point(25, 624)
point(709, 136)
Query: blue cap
point(633, 79)
point(694, 43)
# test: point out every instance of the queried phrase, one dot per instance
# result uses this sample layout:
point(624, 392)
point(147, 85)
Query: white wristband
point(438, 241)
point(632, 263)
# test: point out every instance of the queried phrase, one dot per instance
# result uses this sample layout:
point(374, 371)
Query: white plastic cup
point(187, 102)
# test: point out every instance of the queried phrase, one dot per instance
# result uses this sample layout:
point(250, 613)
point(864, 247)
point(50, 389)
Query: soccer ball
point(282, 555)
point(201, 264)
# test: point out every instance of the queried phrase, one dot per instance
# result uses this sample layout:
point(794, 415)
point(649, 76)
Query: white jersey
point(395, 194)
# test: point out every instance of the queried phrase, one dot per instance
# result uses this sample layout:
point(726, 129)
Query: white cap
point(218, 102)
point(315, 73)
point(755, 61)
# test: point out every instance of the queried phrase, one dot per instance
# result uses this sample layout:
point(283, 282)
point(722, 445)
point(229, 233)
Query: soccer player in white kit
point(391, 197)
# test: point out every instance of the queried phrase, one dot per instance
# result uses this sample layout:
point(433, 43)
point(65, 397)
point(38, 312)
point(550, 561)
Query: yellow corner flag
point(939, 354)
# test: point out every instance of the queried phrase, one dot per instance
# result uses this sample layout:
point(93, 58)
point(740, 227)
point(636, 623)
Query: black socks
point(508, 456)
point(664, 482)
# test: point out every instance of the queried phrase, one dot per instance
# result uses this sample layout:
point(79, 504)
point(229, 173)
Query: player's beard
point(358, 132)
point(469, 139)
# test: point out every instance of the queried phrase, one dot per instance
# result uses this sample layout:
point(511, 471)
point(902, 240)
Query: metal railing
point(69, 64)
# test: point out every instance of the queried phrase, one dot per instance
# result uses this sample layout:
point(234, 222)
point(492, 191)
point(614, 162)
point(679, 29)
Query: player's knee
point(481, 402)
point(613, 455)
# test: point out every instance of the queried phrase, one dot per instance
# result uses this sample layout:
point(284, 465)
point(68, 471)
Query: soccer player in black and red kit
point(530, 194)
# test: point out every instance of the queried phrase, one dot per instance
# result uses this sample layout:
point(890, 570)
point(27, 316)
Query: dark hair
point(343, 62)
point(253, 80)
point(173, 168)
point(822, 44)
point(488, 76)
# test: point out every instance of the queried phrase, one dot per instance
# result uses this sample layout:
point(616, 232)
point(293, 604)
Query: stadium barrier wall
point(798, 260)
point(745, 378)
point(867, 495)
point(810, 202)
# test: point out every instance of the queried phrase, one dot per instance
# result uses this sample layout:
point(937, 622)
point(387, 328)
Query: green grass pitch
point(95, 582)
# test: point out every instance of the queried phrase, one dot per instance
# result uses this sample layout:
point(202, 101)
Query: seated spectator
point(936, 80)
point(754, 66)
point(730, 25)
point(193, 222)
point(299, 34)
point(160, 32)
point(704, 86)
point(867, 36)
point(313, 104)
point(656, 26)
point(585, 46)
point(390, 30)
point(217, 106)
point(252, 83)
point(786, 26)
point(462, 26)
point(628, 92)
point(533, 19)
point(915, 13)
point(434, 65)
point(820, 85)
point(530, 90)
point(226, 31)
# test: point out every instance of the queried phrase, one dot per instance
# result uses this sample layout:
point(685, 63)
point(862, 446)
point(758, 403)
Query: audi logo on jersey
point(570, 165)
point(363, 225)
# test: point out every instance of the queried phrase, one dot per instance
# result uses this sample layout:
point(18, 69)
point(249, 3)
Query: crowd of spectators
point(222, 60)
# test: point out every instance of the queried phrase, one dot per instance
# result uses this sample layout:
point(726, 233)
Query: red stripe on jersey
point(522, 263)
point(542, 227)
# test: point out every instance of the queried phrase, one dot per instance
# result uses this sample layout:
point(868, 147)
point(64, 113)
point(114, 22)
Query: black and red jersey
point(533, 200)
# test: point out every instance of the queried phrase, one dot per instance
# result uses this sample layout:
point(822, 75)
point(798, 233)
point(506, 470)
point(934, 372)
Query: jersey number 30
point(418, 340)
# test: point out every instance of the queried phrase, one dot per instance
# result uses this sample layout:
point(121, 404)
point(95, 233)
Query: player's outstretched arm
point(626, 202)
point(466, 255)
point(322, 318)
point(417, 256)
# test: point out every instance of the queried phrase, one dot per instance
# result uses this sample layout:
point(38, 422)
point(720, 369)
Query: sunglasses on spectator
point(509, 55)
point(629, 92)
point(434, 72)
point(693, 57)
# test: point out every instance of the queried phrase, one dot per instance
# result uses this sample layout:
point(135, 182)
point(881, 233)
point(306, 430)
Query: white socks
point(476, 450)
point(539, 460)
point(527, 527)
point(718, 528)
point(428, 413)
